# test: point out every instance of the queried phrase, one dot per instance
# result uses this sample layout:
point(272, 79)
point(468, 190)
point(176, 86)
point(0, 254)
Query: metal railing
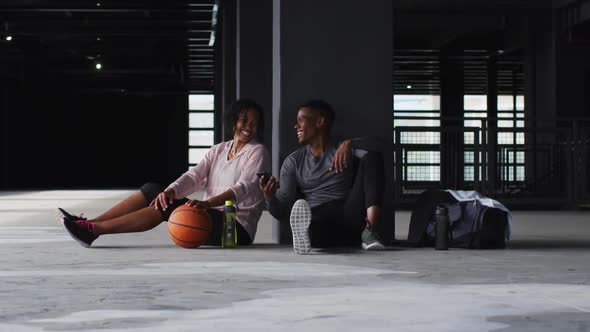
point(544, 165)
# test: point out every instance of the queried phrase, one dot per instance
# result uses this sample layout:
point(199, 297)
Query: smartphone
point(266, 175)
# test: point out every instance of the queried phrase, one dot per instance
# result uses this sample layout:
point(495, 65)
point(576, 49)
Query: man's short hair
point(322, 107)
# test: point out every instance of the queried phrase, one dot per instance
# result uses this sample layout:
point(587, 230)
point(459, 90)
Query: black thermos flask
point(441, 217)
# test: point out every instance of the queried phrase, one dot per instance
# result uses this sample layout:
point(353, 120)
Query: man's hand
point(268, 187)
point(342, 157)
point(196, 203)
point(163, 199)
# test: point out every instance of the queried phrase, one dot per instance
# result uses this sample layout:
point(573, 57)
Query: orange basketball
point(189, 227)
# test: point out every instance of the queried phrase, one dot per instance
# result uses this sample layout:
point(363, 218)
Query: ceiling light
point(98, 66)
point(98, 4)
point(408, 86)
point(8, 38)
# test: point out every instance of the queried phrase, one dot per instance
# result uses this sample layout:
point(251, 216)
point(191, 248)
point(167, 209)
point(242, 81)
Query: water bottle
point(441, 218)
point(229, 233)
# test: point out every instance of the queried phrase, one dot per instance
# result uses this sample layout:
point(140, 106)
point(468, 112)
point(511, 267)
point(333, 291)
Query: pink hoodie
point(216, 174)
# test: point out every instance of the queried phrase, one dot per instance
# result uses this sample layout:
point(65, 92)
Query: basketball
point(189, 227)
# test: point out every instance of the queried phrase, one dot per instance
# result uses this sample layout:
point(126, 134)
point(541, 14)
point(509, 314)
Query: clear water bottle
point(229, 234)
point(441, 218)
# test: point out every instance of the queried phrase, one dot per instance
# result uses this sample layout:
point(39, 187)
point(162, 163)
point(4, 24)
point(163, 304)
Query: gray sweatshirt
point(302, 173)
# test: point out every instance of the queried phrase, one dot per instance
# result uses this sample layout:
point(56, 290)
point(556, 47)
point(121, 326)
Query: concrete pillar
point(541, 56)
point(254, 57)
point(451, 106)
point(340, 51)
point(227, 58)
point(540, 92)
point(492, 126)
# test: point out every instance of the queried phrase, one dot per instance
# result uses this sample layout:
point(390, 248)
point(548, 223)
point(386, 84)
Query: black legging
point(341, 222)
point(151, 190)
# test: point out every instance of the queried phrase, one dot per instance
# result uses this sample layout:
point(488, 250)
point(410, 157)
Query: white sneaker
point(300, 220)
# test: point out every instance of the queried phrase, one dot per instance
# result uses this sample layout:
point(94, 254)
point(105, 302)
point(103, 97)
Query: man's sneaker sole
point(300, 220)
point(375, 246)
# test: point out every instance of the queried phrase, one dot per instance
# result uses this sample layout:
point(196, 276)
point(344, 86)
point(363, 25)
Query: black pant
point(341, 222)
point(151, 190)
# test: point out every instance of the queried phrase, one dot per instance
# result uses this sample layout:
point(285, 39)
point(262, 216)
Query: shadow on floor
point(524, 244)
point(257, 246)
point(172, 246)
point(125, 247)
point(534, 244)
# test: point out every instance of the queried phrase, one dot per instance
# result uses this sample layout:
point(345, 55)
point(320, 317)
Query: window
point(421, 148)
point(510, 141)
point(476, 107)
point(510, 137)
point(201, 125)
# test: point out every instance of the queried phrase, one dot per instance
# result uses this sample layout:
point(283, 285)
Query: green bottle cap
point(229, 203)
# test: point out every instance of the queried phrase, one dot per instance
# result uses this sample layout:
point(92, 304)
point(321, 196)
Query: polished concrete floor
point(143, 282)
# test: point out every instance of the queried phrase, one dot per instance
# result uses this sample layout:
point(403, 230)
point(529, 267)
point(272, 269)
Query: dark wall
point(574, 62)
point(339, 51)
point(54, 138)
point(254, 57)
point(226, 69)
point(556, 67)
point(541, 54)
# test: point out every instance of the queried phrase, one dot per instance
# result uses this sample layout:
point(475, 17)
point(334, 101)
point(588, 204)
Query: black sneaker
point(371, 240)
point(79, 228)
point(68, 216)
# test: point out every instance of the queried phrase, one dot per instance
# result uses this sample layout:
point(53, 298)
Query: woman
point(227, 172)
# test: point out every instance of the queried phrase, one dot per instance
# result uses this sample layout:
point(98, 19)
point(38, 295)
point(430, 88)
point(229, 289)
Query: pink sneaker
point(79, 228)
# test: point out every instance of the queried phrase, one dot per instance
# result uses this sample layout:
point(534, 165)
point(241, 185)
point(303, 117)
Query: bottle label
point(229, 239)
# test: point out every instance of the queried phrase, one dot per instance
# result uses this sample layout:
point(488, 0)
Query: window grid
point(420, 137)
point(510, 114)
point(423, 157)
point(422, 173)
point(201, 126)
point(424, 164)
point(511, 161)
point(475, 110)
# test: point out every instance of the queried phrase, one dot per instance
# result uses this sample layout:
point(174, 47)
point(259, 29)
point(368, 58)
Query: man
point(339, 208)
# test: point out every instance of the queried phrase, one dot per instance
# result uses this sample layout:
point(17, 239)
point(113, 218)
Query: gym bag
point(475, 221)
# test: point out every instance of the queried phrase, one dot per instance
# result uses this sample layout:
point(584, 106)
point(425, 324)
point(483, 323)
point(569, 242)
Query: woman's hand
point(196, 203)
point(342, 157)
point(268, 187)
point(163, 199)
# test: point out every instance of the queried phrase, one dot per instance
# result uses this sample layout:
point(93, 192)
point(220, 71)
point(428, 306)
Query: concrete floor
point(143, 282)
